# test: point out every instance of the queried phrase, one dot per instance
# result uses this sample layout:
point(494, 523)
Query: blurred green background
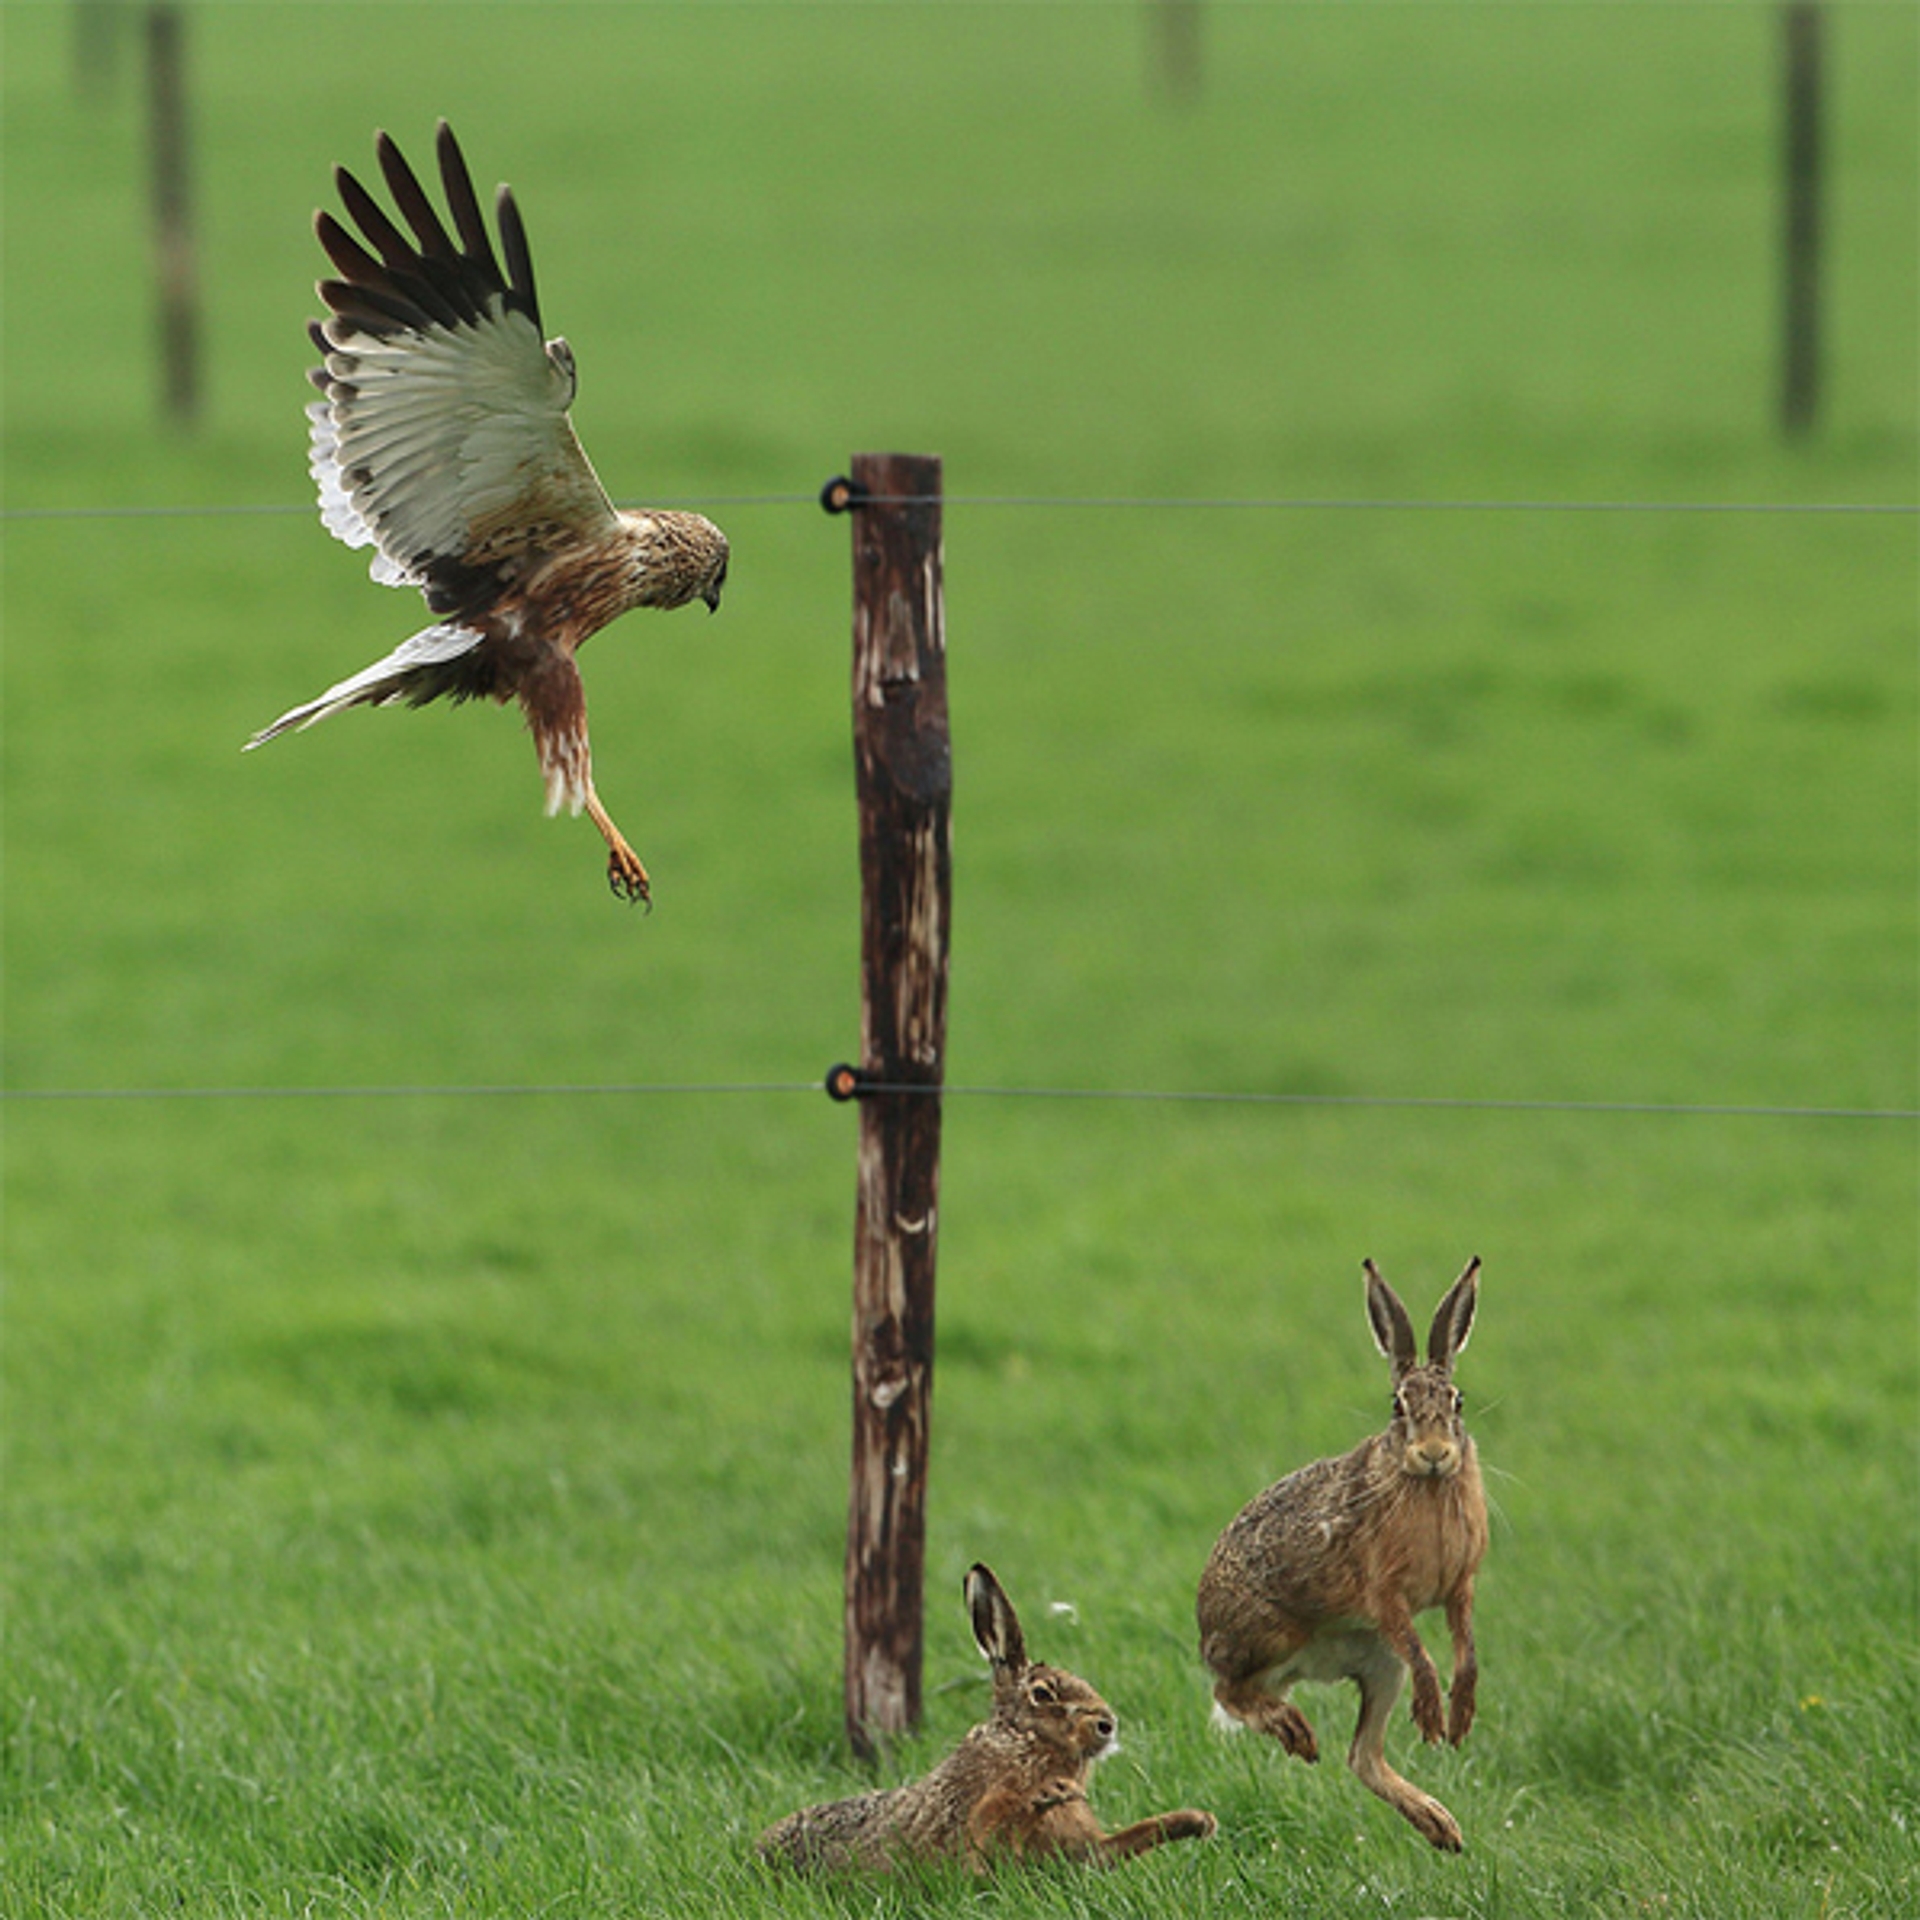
point(433, 1504)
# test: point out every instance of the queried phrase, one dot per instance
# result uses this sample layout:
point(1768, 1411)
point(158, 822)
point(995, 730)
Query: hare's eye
point(1459, 1400)
point(1041, 1694)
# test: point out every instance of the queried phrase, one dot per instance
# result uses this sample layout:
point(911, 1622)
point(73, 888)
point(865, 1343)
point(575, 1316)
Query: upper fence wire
point(1116, 502)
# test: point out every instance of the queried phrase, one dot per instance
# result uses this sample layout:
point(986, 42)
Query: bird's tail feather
point(406, 673)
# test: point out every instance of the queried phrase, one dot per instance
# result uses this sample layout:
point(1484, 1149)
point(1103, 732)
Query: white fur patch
point(1224, 1722)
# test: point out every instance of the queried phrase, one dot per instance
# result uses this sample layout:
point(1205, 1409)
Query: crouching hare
point(1321, 1576)
point(1015, 1787)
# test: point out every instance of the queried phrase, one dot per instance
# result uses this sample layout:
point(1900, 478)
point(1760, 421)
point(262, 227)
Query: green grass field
point(433, 1505)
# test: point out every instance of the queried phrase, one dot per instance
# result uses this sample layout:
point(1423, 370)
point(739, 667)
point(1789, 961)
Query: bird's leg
point(625, 875)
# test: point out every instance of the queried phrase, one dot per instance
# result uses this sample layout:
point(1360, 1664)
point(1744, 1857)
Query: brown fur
point(1321, 1577)
point(1014, 1788)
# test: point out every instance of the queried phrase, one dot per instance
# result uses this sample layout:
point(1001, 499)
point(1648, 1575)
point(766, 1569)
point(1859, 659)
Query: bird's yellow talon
point(628, 879)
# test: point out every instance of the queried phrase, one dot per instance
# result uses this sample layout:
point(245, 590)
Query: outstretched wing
point(443, 439)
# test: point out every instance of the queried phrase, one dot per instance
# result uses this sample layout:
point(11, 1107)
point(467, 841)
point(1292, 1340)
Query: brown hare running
point(1015, 1787)
point(1320, 1577)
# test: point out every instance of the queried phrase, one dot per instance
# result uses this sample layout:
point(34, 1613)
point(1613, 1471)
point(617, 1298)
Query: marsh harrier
point(442, 441)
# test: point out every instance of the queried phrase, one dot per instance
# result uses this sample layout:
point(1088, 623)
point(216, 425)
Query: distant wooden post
point(1177, 34)
point(179, 299)
point(904, 775)
point(1802, 28)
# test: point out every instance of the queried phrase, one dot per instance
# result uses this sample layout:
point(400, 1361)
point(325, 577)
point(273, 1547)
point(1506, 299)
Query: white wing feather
point(337, 512)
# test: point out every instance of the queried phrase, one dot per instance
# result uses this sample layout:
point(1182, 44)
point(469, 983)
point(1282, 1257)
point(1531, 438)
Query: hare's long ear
point(1392, 1330)
point(1453, 1321)
point(996, 1627)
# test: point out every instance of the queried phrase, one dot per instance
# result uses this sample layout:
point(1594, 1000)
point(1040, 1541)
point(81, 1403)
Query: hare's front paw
point(1459, 1713)
point(1190, 1823)
point(1428, 1713)
point(1294, 1731)
point(1060, 1792)
point(1279, 1719)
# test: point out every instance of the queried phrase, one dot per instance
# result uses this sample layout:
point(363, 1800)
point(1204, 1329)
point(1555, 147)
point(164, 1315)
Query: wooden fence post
point(1801, 135)
point(1176, 31)
point(904, 773)
point(179, 295)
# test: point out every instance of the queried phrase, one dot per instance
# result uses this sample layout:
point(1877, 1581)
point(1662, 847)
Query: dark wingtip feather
point(414, 288)
point(371, 218)
point(426, 280)
point(354, 262)
point(465, 204)
point(373, 310)
point(445, 289)
point(412, 201)
point(513, 240)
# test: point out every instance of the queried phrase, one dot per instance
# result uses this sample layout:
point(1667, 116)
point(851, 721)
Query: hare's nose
point(1104, 1726)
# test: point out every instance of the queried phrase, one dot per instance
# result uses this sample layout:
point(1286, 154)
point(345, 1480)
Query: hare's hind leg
point(1246, 1702)
point(1379, 1681)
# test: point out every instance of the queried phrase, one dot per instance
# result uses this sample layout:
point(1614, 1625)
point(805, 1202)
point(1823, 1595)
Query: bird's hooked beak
point(712, 598)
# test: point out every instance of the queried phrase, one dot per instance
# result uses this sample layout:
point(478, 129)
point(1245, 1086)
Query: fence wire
point(1151, 503)
point(1163, 1096)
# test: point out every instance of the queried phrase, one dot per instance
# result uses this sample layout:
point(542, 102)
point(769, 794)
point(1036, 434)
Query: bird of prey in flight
point(441, 440)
